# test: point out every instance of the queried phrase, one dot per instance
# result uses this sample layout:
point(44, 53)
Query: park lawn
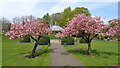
point(14, 52)
point(0, 49)
point(105, 53)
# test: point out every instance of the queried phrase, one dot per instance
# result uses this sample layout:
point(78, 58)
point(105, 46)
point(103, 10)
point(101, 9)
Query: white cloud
point(103, 19)
point(20, 1)
point(12, 9)
point(90, 4)
point(59, 7)
point(59, 0)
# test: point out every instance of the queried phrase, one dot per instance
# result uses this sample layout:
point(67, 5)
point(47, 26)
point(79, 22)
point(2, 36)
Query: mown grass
point(105, 53)
point(0, 49)
point(14, 52)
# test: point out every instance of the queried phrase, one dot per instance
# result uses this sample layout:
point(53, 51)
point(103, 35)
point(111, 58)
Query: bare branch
point(94, 37)
point(39, 37)
point(33, 38)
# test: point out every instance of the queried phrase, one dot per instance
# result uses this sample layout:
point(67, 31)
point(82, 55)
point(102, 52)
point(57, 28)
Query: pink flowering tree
point(113, 29)
point(87, 27)
point(29, 28)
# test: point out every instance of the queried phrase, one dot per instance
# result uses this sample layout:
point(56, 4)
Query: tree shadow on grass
point(94, 53)
point(24, 53)
point(37, 53)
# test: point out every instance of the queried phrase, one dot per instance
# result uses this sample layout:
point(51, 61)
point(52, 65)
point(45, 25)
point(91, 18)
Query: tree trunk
point(89, 49)
point(34, 49)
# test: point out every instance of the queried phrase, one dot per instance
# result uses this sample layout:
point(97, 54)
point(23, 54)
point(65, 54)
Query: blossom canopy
point(114, 29)
point(81, 22)
point(28, 28)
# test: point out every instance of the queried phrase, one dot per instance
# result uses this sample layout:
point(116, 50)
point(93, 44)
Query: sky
point(106, 9)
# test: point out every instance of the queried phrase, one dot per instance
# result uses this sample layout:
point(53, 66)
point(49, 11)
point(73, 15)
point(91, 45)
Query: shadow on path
point(60, 56)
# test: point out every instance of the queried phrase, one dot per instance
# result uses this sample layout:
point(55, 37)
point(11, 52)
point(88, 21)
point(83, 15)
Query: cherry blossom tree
point(113, 29)
point(29, 28)
point(87, 27)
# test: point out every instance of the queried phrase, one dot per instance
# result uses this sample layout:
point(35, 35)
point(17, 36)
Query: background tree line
point(61, 19)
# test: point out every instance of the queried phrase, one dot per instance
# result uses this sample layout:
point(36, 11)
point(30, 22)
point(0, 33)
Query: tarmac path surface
point(60, 56)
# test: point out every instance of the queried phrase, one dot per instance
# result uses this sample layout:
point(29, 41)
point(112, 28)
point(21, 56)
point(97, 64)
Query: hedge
point(67, 41)
point(52, 36)
point(25, 40)
point(44, 40)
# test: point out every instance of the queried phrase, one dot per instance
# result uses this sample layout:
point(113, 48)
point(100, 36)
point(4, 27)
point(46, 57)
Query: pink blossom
point(30, 28)
point(12, 37)
point(8, 33)
point(114, 29)
point(91, 25)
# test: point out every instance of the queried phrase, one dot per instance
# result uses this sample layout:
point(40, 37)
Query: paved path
point(60, 57)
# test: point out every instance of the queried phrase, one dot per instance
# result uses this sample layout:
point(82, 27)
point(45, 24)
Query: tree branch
point(83, 35)
point(94, 37)
point(84, 38)
point(33, 38)
point(39, 37)
point(88, 36)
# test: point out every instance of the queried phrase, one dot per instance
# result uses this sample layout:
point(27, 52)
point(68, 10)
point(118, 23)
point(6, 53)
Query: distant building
point(56, 29)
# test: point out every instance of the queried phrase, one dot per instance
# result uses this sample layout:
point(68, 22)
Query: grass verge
point(14, 52)
point(105, 53)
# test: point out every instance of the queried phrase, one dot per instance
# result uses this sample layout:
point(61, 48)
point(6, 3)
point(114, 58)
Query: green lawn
point(106, 53)
point(14, 54)
point(0, 49)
